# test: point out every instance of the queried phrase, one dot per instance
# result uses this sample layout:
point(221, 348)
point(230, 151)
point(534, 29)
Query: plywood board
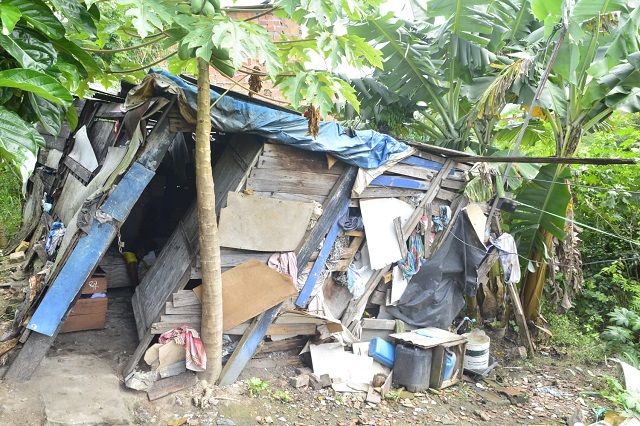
point(263, 224)
point(478, 219)
point(250, 289)
point(377, 216)
point(429, 337)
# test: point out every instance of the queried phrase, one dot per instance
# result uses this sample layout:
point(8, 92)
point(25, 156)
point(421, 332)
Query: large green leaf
point(18, 145)
point(77, 14)
point(29, 48)
point(541, 202)
point(39, 83)
point(40, 16)
point(50, 114)
point(84, 59)
point(9, 15)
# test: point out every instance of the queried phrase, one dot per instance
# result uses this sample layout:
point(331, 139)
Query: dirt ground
point(545, 390)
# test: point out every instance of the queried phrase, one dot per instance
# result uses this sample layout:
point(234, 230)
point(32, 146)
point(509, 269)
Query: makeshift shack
point(313, 231)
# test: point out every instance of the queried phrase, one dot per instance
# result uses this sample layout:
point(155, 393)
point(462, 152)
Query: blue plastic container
point(382, 351)
point(449, 363)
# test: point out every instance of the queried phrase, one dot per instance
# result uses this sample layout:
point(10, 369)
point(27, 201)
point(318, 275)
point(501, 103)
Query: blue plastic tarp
point(367, 149)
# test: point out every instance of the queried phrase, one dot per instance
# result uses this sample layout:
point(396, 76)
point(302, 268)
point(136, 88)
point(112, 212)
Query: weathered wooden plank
point(312, 279)
point(184, 298)
point(446, 195)
point(290, 181)
point(164, 387)
point(169, 309)
point(453, 184)
point(412, 171)
point(302, 165)
point(230, 258)
point(77, 169)
point(304, 198)
point(348, 254)
point(520, 318)
point(158, 142)
point(388, 192)
point(280, 150)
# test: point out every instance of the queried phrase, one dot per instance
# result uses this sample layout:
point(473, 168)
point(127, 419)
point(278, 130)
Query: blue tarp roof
point(367, 148)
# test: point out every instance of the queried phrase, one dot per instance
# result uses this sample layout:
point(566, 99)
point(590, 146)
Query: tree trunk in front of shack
point(211, 328)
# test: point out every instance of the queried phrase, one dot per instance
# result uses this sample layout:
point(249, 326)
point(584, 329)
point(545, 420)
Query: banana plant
point(441, 63)
point(595, 73)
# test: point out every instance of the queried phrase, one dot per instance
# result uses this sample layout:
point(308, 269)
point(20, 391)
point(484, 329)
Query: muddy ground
point(545, 390)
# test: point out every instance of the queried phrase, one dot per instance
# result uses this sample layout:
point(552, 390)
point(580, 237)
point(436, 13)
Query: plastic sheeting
point(434, 297)
point(366, 149)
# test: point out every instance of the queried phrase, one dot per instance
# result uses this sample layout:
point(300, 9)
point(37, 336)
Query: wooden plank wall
point(289, 173)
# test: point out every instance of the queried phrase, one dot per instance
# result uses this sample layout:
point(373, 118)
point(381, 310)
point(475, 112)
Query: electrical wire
point(537, 262)
point(574, 184)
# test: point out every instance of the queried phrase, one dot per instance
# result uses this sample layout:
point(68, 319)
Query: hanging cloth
point(506, 246)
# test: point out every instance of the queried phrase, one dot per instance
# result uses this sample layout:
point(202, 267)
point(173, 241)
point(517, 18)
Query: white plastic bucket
point(476, 356)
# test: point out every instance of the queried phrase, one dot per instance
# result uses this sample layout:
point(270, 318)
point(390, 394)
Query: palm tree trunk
point(211, 329)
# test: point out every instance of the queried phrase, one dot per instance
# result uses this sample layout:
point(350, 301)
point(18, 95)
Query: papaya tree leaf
point(39, 83)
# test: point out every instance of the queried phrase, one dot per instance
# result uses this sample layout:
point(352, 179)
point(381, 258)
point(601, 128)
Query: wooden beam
point(312, 279)
point(548, 160)
point(520, 318)
point(247, 346)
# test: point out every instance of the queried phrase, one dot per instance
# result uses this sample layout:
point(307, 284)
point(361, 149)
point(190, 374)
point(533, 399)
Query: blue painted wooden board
point(424, 163)
point(400, 182)
point(247, 347)
point(125, 195)
point(74, 273)
point(305, 293)
point(88, 252)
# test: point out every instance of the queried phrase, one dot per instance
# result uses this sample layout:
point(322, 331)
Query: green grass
point(581, 347)
point(10, 205)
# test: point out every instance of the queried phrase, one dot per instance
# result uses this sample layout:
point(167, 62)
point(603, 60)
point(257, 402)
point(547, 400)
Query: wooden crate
point(436, 380)
point(96, 283)
point(87, 314)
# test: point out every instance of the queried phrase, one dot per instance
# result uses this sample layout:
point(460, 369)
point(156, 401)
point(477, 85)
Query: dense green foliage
point(10, 205)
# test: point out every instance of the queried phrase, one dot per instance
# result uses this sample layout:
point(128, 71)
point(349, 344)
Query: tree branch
point(123, 49)
point(266, 12)
point(142, 67)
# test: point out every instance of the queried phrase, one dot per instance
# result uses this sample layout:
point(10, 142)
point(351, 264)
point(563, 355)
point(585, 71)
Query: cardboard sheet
point(331, 359)
point(251, 222)
point(250, 289)
point(378, 215)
